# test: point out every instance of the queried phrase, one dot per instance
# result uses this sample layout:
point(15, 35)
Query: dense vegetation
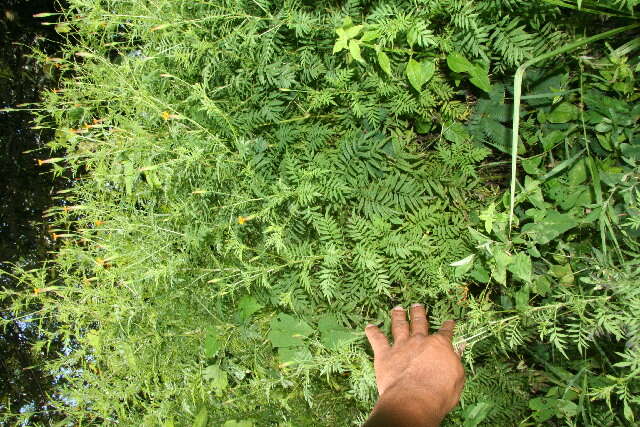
point(258, 180)
point(25, 192)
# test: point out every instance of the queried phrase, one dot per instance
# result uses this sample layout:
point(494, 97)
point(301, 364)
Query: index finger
point(377, 339)
point(446, 330)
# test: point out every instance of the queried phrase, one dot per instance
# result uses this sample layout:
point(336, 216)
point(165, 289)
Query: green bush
point(258, 180)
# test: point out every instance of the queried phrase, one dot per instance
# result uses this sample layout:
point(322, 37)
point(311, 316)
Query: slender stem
point(517, 91)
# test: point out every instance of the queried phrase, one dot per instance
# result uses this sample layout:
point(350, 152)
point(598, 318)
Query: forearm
point(405, 408)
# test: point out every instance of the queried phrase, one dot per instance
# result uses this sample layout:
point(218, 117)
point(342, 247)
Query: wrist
point(408, 406)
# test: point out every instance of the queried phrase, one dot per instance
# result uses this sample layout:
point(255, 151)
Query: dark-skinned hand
point(419, 377)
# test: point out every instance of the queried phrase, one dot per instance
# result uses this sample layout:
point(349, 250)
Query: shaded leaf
point(332, 334)
point(552, 226)
point(287, 331)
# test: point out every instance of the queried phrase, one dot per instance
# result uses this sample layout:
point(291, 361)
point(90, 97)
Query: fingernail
point(398, 307)
point(416, 305)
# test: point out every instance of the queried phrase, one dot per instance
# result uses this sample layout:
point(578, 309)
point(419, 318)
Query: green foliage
point(572, 253)
point(256, 181)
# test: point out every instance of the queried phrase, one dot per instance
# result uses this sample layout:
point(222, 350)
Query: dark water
point(25, 191)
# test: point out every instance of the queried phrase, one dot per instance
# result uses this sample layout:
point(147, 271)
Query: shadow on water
point(25, 192)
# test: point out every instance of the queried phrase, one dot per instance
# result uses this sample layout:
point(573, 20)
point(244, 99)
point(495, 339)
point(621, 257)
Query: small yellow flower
point(37, 291)
point(98, 223)
point(55, 236)
point(166, 115)
point(40, 162)
point(242, 220)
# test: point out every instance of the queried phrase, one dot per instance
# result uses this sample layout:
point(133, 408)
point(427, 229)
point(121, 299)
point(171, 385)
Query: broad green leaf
point(521, 298)
point(532, 165)
point(247, 306)
point(341, 44)
point(423, 126)
point(567, 408)
point(542, 286)
point(289, 356)
point(201, 419)
point(211, 343)
point(287, 331)
point(479, 273)
point(563, 273)
point(352, 32)
point(369, 36)
point(488, 216)
point(216, 377)
point(563, 113)
point(332, 334)
point(459, 64)
point(499, 270)
point(552, 226)
point(481, 81)
point(354, 50)
point(543, 407)
point(419, 73)
point(384, 62)
point(412, 36)
point(627, 411)
point(476, 413)
point(521, 267)
point(551, 139)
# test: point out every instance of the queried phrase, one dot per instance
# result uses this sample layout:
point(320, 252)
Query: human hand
point(420, 370)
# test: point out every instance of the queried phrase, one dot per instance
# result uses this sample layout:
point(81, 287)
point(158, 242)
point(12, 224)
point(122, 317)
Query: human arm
point(420, 378)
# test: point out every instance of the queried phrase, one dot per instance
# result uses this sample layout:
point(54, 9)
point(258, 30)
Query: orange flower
point(167, 115)
point(55, 236)
point(98, 223)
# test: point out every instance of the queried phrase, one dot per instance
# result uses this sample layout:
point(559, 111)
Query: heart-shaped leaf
point(419, 73)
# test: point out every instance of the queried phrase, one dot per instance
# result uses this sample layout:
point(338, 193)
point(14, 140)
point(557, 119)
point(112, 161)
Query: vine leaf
point(419, 73)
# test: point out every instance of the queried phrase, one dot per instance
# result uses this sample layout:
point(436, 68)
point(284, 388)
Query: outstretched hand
point(419, 377)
